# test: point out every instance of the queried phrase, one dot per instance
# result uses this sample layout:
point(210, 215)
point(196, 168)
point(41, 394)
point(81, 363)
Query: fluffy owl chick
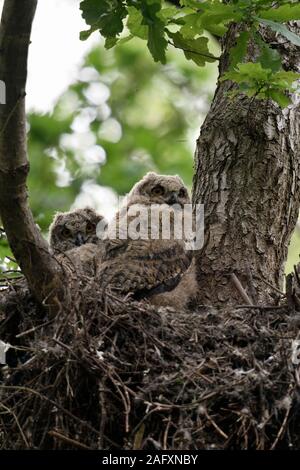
point(74, 239)
point(159, 189)
point(74, 229)
point(146, 265)
point(184, 294)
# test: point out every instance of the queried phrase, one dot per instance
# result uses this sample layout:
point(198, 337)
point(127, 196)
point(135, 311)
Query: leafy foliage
point(280, 28)
point(194, 49)
point(105, 16)
point(287, 12)
point(186, 28)
point(259, 82)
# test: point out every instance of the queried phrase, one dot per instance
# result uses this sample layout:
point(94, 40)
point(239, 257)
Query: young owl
point(183, 296)
point(74, 239)
point(74, 229)
point(148, 265)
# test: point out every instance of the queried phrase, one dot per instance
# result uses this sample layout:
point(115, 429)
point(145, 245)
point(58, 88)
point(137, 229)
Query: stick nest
point(113, 373)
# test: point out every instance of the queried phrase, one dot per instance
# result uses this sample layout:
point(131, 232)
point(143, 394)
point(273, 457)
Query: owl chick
point(146, 265)
point(73, 238)
point(183, 296)
point(74, 229)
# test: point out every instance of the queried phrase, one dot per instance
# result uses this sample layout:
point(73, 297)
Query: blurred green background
point(123, 116)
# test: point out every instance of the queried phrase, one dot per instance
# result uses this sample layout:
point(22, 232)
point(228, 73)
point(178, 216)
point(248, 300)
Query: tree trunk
point(247, 176)
point(29, 248)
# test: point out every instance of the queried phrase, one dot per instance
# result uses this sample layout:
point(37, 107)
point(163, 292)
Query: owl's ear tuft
point(144, 182)
point(88, 211)
point(150, 175)
point(58, 218)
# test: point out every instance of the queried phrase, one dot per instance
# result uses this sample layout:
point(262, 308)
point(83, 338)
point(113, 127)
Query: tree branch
point(29, 248)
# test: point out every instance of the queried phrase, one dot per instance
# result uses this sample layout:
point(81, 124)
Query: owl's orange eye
point(158, 190)
point(90, 227)
point(66, 232)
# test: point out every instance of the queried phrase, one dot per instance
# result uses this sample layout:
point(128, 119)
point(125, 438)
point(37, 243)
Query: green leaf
point(125, 39)
point(190, 27)
point(280, 28)
point(189, 3)
point(86, 34)
point(255, 81)
point(282, 13)
point(279, 97)
point(104, 15)
point(268, 57)
point(248, 72)
point(288, 78)
point(194, 49)
point(238, 52)
point(134, 23)
point(168, 13)
point(267, 3)
point(216, 15)
point(150, 9)
point(157, 43)
point(110, 42)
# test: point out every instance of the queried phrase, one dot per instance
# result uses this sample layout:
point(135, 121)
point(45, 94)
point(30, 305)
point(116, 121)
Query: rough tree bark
point(29, 248)
point(247, 175)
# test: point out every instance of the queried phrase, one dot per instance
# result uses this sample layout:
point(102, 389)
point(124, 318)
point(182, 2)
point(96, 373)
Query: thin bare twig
point(68, 440)
point(240, 289)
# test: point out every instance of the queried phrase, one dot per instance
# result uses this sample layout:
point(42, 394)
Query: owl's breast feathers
point(143, 267)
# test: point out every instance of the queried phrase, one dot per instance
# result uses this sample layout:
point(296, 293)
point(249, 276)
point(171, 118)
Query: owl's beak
point(79, 240)
point(173, 198)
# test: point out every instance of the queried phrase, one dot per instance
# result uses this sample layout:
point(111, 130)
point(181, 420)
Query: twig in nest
point(166, 432)
point(17, 422)
point(271, 285)
point(214, 424)
point(240, 289)
point(57, 405)
point(32, 330)
point(138, 438)
point(103, 417)
point(64, 438)
point(264, 307)
point(282, 428)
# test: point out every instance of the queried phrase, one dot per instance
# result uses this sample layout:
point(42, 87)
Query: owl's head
point(75, 228)
point(159, 189)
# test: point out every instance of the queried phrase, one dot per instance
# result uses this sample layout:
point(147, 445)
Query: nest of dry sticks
point(114, 373)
